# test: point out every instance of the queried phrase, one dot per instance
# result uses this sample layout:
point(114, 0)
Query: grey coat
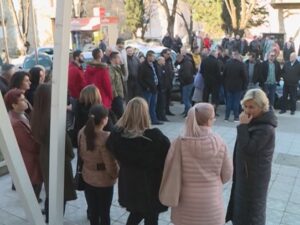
point(253, 155)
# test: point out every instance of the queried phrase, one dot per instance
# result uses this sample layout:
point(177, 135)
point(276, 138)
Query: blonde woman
point(253, 155)
point(141, 153)
point(205, 167)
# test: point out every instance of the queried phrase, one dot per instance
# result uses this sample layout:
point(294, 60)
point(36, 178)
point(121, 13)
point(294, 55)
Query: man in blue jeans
point(270, 76)
point(148, 80)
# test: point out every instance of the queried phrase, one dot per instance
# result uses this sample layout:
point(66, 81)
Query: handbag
point(170, 187)
point(79, 183)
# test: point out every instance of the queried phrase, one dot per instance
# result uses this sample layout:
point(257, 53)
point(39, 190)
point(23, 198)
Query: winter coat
point(186, 72)
point(146, 77)
point(167, 41)
point(29, 148)
point(97, 73)
point(116, 81)
point(76, 80)
point(206, 166)
point(141, 160)
point(265, 69)
point(234, 75)
point(169, 68)
point(253, 155)
point(256, 71)
point(210, 71)
point(291, 74)
point(100, 169)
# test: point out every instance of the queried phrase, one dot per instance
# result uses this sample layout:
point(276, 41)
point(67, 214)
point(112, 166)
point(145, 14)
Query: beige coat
point(100, 169)
point(206, 166)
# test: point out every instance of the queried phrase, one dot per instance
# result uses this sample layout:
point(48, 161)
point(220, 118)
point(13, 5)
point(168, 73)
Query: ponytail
point(89, 132)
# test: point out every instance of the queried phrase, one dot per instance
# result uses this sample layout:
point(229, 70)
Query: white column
point(17, 170)
point(58, 111)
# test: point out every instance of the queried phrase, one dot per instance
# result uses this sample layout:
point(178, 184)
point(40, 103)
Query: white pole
point(58, 111)
point(4, 31)
point(17, 169)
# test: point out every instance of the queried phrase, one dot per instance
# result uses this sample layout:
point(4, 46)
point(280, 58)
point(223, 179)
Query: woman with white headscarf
point(205, 167)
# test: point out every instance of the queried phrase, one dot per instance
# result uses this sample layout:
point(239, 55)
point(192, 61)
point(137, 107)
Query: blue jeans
point(151, 99)
point(233, 99)
point(186, 96)
point(270, 90)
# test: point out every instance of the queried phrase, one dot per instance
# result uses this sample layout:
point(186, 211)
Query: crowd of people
point(114, 100)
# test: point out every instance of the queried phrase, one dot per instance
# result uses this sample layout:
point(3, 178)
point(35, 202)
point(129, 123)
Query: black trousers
point(117, 106)
point(289, 90)
point(99, 202)
point(213, 90)
point(135, 218)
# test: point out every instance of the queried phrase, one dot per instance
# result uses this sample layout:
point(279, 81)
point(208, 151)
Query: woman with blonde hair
point(141, 153)
point(205, 166)
point(253, 155)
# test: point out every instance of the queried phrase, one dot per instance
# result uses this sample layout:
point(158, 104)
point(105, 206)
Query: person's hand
point(245, 118)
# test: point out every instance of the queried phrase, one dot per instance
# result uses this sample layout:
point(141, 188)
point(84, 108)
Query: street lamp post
point(4, 31)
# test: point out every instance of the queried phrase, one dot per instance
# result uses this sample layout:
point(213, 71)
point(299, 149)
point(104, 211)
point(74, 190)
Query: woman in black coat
point(253, 155)
point(141, 154)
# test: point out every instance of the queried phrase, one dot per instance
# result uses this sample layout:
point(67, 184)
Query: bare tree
point(171, 14)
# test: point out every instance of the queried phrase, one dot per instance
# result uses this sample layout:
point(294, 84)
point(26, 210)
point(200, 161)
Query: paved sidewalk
point(284, 192)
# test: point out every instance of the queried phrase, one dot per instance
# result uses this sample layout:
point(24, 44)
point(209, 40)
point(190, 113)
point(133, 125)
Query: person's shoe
point(39, 200)
point(236, 120)
point(183, 113)
point(292, 112)
point(170, 114)
point(217, 114)
point(165, 120)
point(226, 120)
point(157, 123)
point(282, 111)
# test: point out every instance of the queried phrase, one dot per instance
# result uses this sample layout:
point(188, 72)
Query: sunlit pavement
point(284, 192)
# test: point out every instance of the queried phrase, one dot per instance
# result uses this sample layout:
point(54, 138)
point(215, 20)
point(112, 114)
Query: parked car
point(49, 50)
point(43, 59)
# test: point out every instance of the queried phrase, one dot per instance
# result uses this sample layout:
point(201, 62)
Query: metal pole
point(4, 31)
point(34, 31)
point(58, 111)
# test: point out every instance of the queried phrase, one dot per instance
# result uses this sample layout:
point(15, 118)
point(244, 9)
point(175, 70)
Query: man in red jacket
point(97, 73)
point(76, 80)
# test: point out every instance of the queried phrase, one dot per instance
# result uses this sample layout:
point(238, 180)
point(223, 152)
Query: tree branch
point(17, 21)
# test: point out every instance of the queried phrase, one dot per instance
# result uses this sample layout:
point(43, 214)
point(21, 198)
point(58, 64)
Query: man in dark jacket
point(235, 83)
point(133, 64)
point(291, 76)
point(186, 78)
point(210, 71)
point(148, 80)
point(270, 76)
point(6, 73)
point(252, 69)
point(169, 75)
point(161, 97)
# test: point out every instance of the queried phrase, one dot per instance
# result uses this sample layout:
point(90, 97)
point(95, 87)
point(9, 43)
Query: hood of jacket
point(266, 118)
point(97, 64)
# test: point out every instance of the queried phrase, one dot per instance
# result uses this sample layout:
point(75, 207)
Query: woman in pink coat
point(205, 167)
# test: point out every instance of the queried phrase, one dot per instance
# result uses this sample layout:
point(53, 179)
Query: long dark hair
point(17, 79)
point(40, 118)
point(96, 115)
point(35, 76)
